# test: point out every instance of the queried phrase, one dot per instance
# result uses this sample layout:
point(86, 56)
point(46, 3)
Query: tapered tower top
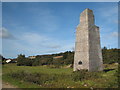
point(87, 17)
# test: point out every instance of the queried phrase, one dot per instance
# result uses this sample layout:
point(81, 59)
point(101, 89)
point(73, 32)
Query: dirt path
point(7, 85)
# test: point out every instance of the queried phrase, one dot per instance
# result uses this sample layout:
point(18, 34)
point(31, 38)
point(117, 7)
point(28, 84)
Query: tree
point(110, 55)
point(21, 60)
point(105, 54)
point(36, 62)
point(2, 59)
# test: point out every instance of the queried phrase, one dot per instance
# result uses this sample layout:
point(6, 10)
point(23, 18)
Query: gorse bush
point(37, 78)
point(41, 78)
point(93, 75)
point(84, 75)
point(78, 75)
point(18, 74)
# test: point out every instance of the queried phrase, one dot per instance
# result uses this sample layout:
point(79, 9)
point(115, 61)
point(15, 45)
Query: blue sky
point(44, 28)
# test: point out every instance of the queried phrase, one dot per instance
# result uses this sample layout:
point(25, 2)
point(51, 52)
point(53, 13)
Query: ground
point(7, 85)
point(45, 76)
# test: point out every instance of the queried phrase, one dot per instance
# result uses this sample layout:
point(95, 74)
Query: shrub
point(34, 78)
point(18, 74)
point(78, 75)
point(84, 74)
point(92, 75)
point(37, 78)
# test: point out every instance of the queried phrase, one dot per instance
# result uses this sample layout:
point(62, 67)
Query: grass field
point(46, 77)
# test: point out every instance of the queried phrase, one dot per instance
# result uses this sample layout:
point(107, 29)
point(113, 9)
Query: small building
point(8, 61)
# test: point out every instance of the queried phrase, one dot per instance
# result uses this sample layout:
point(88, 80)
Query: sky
point(37, 28)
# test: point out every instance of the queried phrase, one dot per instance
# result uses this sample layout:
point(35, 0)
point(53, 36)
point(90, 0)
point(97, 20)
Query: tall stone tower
point(88, 53)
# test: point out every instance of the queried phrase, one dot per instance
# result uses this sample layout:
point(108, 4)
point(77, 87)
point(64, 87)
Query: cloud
point(114, 34)
point(29, 43)
point(39, 40)
point(54, 46)
point(5, 34)
point(110, 36)
point(34, 38)
point(110, 39)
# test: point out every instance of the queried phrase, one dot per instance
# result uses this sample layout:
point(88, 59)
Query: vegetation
point(2, 59)
point(109, 56)
point(22, 61)
point(45, 77)
point(52, 71)
point(66, 59)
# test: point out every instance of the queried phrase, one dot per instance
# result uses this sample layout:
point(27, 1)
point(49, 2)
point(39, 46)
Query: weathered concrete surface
point(88, 53)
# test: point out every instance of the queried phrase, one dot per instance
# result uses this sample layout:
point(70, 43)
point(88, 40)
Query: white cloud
point(114, 34)
point(110, 36)
point(5, 34)
point(35, 44)
point(39, 40)
point(110, 39)
point(34, 38)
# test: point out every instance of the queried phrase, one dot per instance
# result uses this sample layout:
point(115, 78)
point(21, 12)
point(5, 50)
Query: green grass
point(58, 77)
point(44, 69)
point(18, 83)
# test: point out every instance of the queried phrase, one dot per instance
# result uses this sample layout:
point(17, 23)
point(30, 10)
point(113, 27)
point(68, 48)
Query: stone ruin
point(88, 54)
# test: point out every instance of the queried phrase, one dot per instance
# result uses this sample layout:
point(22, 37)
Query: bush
point(18, 74)
point(34, 78)
point(36, 63)
point(37, 78)
point(84, 75)
point(79, 75)
point(92, 75)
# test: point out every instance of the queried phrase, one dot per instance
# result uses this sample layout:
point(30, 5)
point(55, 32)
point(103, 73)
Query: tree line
point(109, 56)
point(66, 59)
